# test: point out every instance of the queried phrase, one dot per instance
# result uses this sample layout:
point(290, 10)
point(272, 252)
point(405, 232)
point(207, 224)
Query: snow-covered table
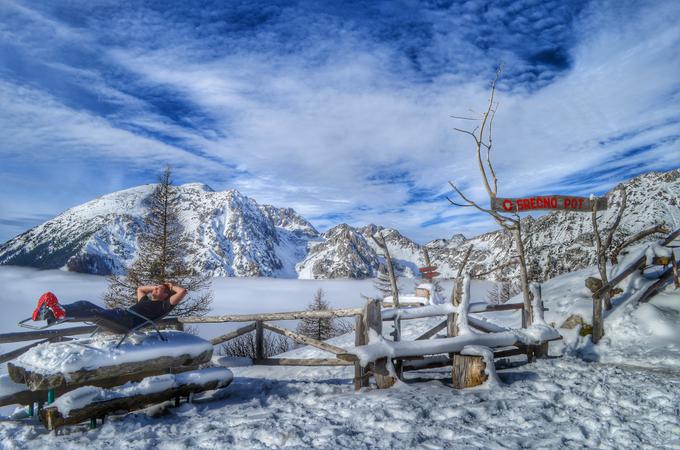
point(97, 360)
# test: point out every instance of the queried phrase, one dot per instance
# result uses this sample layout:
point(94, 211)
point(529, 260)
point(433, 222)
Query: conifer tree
point(321, 328)
point(162, 253)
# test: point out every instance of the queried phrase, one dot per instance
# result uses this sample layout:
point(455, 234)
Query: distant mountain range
point(232, 235)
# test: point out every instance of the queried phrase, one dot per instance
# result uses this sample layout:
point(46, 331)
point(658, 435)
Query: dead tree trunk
point(482, 137)
point(602, 247)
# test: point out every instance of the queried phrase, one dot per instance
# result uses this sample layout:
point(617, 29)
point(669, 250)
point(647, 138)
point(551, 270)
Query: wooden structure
point(368, 322)
point(671, 271)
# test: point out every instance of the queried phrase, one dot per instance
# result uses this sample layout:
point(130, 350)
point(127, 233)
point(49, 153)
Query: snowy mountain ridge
point(232, 235)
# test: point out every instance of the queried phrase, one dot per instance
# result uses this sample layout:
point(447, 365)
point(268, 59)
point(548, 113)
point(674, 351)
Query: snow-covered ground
point(625, 396)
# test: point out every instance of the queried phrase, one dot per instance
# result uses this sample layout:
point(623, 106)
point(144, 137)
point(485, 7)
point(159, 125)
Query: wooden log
point(38, 381)
point(233, 334)
point(432, 362)
point(44, 334)
point(676, 278)
point(509, 352)
point(60, 332)
point(19, 351)
point(467, 371)
point(259, 340)
point(53, 419)
point(373, 324)
point(304, 339)
point(302, 362)
point(360, 374)
point(269, 317)
point(483, 325)
point(654, 288)
point(433, 331)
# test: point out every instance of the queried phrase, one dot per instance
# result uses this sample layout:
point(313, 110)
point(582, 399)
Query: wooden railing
point(370, 317)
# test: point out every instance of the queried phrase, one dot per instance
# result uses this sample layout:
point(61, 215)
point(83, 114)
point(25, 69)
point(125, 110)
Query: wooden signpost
point(549, 202)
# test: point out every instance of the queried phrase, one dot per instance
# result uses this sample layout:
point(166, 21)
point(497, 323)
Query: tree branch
point(614, 256)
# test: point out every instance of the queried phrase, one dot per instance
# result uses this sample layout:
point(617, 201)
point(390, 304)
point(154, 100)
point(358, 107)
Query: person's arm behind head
point(142, 291)
point(177, 293)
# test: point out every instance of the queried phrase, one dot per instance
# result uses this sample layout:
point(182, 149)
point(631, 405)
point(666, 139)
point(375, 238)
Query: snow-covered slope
point(230, 234)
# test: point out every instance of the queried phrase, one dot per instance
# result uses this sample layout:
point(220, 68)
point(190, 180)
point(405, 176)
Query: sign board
point(428, 269)
point(553, 202)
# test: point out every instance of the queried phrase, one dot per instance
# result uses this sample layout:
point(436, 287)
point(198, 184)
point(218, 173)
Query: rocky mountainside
point(233, 235)
point(230, 234)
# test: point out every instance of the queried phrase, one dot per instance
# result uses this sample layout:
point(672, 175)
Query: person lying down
point(153, 303)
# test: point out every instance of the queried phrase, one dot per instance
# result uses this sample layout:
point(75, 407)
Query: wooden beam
point(302, 362)
point(304, 339)
point(53, 419)
point(38, 381)
point(433, 331)
point(360, 338)
point(259, 340)
point(233, 334)
point(654, 288)
point(269, 317)
point(59, 332)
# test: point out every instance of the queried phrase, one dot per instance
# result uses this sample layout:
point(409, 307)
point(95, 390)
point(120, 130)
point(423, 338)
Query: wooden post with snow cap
point(466, 370)
point(541, 350)
point(373, 331)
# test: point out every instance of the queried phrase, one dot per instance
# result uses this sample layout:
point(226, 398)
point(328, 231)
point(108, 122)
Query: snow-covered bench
point(91, 403)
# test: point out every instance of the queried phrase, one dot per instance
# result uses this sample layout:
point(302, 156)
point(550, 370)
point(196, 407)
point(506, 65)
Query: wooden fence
point(370, 317)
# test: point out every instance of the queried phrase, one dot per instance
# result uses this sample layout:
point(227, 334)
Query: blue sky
point(341, 110)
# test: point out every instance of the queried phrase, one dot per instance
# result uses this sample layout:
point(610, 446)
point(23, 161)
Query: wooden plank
point(59, 332)
point(304, 339)
point(19, 351)
point(635, 265)
point(654, 288)
point(44, 334)
point(483, 325)
point(259, 340)
point(547, 202)
point(302, 362)
point(234, 334)
point(502, 307)
point(432, 362)
point(360, 338)
point(509, 352)
point(53, 419)
point(38, 381)
point(269, 317)
point(433, 331)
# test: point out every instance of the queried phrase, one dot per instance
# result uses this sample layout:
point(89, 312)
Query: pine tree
point(321, 328)
point(162, 247)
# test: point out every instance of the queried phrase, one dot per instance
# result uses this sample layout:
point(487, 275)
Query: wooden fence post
point(259, 341)
point(360, 376)
point(541, 350)
point(598, 326)
point(373, 324)
point(466, 370)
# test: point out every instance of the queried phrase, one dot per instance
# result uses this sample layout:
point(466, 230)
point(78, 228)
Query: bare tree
point(380, 242)
point(245, 345)
point(162, 248)
point(483, 142)
point(382, 282)
point(601, 250)
point(321, 328)
point(614, 254)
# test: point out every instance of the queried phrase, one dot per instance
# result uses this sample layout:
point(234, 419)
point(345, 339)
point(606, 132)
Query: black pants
point(117, 320)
